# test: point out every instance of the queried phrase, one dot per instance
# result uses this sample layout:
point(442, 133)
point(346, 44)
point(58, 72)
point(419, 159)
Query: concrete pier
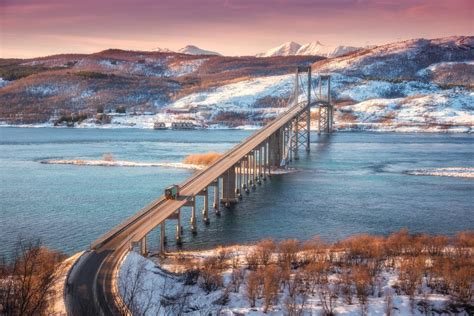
point(228, 187)
point(205, 210)
point(143, 247)
point(162, 237)
point(193, 216)
point(179, 228)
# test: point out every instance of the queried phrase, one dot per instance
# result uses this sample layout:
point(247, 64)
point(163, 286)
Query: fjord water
point(350, 183)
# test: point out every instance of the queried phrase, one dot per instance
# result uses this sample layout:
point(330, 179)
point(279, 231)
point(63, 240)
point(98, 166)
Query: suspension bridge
point(92, 287)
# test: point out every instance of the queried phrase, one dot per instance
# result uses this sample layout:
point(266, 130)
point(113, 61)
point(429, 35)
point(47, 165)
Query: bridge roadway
point(91, 289)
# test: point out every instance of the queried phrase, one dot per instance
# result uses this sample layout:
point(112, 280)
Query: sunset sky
point(31, 28)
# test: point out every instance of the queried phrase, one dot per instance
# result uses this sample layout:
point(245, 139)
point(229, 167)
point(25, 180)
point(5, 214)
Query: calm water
point(350, 183)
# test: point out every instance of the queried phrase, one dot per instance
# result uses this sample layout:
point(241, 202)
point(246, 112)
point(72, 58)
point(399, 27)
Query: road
point(91, 290)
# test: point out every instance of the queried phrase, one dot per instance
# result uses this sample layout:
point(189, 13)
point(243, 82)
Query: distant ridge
point(309, 49)
point(194, 50)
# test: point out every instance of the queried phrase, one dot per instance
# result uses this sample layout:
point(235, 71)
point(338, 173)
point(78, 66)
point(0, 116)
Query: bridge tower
point(297, 133)
point(326, 109)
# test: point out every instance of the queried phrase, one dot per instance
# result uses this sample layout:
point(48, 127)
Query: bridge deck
point(93, 284)
point(136, 227)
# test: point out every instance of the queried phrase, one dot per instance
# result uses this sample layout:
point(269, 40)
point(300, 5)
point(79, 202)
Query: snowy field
point(156, 287)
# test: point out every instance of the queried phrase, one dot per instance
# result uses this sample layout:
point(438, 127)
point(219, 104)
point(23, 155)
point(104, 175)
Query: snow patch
point(120, 163)
point(457, 172)
point(240, 95)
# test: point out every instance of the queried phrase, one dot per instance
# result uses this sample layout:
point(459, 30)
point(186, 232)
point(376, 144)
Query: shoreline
point(358, 128)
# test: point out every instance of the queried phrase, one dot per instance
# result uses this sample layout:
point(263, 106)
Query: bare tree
point(327, 293)
point(362, 285)
point(297, 295)
point(253, 285)
point(271, 286)
point(27, 284)
point(137, 296)
point(236, 279)
point(388, 302)
point(265, 250)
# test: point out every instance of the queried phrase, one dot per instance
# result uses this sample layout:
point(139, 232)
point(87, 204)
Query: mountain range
point(313, 48)
point(419, 82)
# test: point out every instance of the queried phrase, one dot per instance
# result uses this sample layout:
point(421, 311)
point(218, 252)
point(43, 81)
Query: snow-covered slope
point(309, 49)
point(194, 50)
point(286, 49)
point(401, 60)
point(316, 48)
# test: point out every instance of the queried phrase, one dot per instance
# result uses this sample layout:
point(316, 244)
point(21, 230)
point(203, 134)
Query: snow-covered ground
point(239, 96)
point(3, 82)
point(158, 287)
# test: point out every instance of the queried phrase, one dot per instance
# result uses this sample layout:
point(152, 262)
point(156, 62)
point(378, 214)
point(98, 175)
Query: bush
point(252, 259)
point(253, 287)
point(121, 109)
point(265, 250)
point(211, 278)
point(288, 252)
point(271, 285)
point(362, 282)
point(202, 159)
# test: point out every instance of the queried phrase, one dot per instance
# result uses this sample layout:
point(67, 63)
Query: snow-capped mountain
point(194, 50)
point(286, 49)
point(441, 60)
point(309, 49)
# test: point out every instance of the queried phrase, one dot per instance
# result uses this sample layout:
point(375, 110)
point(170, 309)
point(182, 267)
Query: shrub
point(410, 275)
point(121, 109)
point(253, 287)
point(264, 252)
point(108, 157)
point(362, 281)
point(271, 285)
point(252, 260)
point(202, 159)
point(236, 279)
point(288, 252)
point(211, 278)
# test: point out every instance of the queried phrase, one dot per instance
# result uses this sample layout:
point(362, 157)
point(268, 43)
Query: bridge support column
point(249, 178)
point(228, 187)
point(162, 237)
point(249, 172)
point(254, 169)
point(259, 169)
point(143, 247)
point(297, 139)
point(275, 152)
point(326, 110)
point(238, 189)
point(179, 228)
point(265, 144)
point(308, 112)
point(205, 210)
point(193, 216)
point(216, 198)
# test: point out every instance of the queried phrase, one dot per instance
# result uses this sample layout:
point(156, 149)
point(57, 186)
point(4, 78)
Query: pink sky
point(31, 28)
